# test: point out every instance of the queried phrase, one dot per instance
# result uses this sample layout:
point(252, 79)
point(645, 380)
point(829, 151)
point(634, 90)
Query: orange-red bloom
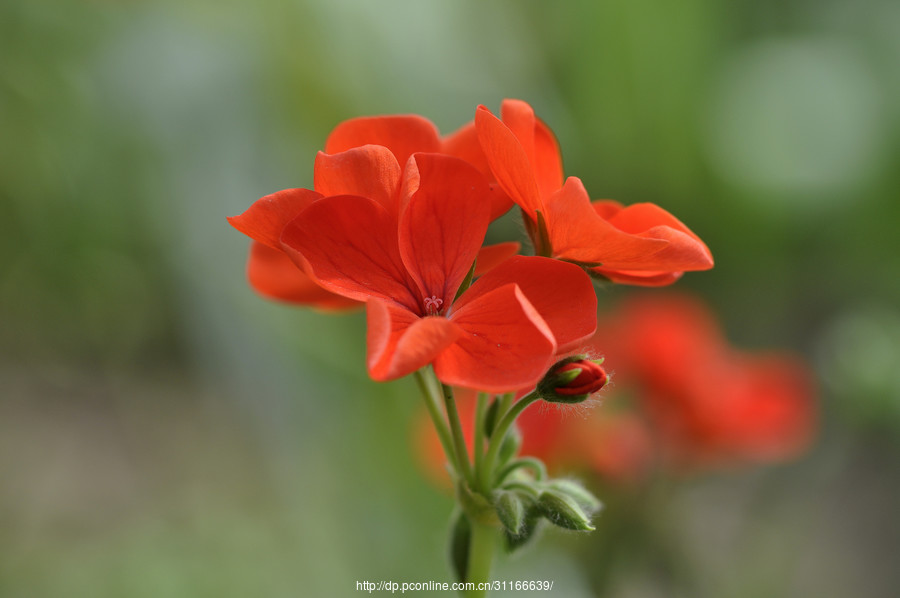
point(407, 260)
point(641, 244)
point(274, 275)
point(365, 157)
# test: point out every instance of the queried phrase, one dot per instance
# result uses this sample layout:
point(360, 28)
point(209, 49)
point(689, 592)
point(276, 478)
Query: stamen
point(433, 305)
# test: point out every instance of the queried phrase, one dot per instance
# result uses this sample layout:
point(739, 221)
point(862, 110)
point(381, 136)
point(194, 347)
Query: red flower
point(363, 156)
point(407, 265)
point(641, 244)
point(709, 402)
point(274, 275)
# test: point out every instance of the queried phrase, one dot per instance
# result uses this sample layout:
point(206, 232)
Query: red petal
point(638, 278)
point(369, 171)
point(579, 234)
point(444, 223)
point(399, 342)
point(266, 218)
point(348, 245)
point(509, 161)
point(402, 134)
point(685, 251)
point(464, 144)
point(272, 274)
point(561, 293)
point(505, 344)
point(547, 160)
point(491, 256)
point(538, 142)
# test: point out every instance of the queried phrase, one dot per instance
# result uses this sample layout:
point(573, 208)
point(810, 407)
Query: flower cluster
point(396, 222)
point(397, 219)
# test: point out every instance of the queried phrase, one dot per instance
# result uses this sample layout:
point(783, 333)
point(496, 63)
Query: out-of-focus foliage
point(163, 431)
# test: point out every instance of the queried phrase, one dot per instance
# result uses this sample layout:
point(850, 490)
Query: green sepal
point(597, 276)
point(544, 248)
point(466, 283)
point(460, 541)
point(581, 495)
point(585, 265)
point(510, 510)
point(491, 418)
point(560, 509)
point(528, 531)
point(567, 377)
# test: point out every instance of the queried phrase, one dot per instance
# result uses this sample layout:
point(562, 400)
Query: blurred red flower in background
point(708, 402)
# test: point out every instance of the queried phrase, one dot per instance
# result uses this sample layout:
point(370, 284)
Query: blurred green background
point(165, 432)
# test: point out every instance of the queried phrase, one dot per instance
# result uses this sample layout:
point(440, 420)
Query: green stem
point(440, 424)
point(526, 488)
point(481, 556)
point(497, 439)
point(505, 402)
point(480, 410)
point(535, 465)
point(462, 456)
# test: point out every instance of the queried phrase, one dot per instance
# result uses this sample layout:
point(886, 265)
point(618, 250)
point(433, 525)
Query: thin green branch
point(440, 424)
point(462, 455)
point(478, 449)
point(535, 465)
point(497, 438)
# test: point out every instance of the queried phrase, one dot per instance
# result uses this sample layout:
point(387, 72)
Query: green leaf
point(460, 541)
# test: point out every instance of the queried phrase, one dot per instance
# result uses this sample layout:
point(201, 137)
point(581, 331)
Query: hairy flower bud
point(572, 380)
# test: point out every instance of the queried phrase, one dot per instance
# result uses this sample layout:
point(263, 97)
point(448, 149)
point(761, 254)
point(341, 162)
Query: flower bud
point(564, 511)
point(573, 380)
